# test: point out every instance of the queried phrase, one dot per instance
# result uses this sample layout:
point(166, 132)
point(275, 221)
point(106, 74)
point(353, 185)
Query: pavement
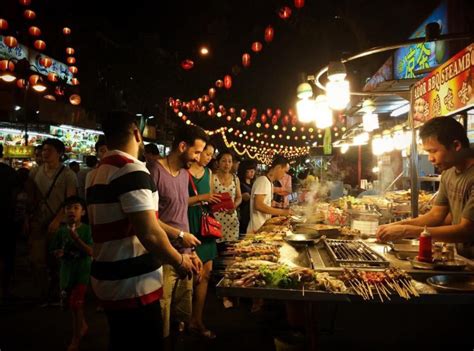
point(24, 325)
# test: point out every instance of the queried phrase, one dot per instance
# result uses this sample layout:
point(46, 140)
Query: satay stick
point(385, 292)
point(357, 290)
point(378, 292)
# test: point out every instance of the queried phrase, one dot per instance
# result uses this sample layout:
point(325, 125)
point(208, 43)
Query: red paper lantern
point(10, 41)
point(7, 65)
point(187, 64)
point(29, 14)
point(269, 112)
point(256, 46)
point(284, 13)
point(299, 3)
point(232, 111)
point(75, 81)
point(243, 113)
point(248, 122)
point(286, 120)
point(227, 81)
point(39, 45)
point(263, 118)
point(52, 77)
point(25, 2)
point(71, 60)
point(3, 24)
point(274, 119)
point(70, 51)
point(246, 60)
point(50, 97)
point(20, 83)
point(294, 119)
point(34, 78)
point(219, 83)
point(75, 99)
point(45, 61)
point(278, 112)
point(266, 126)
point(73, 69)
point(59, 90)
point(212, 93)
point(206, 99)
point(34, 31)
point(253, 113)
point(269, 34)
point(66, 30)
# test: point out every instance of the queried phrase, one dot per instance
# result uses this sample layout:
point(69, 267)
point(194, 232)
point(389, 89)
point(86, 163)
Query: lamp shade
point(336, 70)
point(304, 91)
point(370, 121)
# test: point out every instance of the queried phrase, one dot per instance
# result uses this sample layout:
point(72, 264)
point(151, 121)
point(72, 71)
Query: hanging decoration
point(66, 31)
point(187, 64)
point(3, 24)
point(45, 61)
point(70, 51)
point(269, 34)
point(299, 4)
point(284, 13)
point(39, 45)
point(34, 31)
point(25, 2)
point(246, 60)
point(227, 81)
point(71, 60)
point(29, 15)
point(10, 41)
point(257, 46)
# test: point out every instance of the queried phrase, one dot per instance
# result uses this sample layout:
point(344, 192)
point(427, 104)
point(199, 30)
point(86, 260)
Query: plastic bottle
point(425, 248)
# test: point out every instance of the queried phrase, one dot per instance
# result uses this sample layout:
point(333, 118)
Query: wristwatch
point(181, 235)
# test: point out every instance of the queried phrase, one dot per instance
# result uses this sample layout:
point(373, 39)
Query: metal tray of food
point(405, 245)
point(321, 229)
point(302, 239)
point(452, 283)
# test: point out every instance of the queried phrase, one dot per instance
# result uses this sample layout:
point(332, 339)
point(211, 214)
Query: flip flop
point(203, 333)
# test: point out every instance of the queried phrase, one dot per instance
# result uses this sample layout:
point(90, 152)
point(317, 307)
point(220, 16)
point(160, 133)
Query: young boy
point(72, 244)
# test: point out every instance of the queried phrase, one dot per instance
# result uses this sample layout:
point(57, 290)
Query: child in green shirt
point(72, 245)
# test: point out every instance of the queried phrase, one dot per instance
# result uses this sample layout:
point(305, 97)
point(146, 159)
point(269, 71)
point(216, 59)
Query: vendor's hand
point(189, 240)
point(185, 269)
point(392, 232)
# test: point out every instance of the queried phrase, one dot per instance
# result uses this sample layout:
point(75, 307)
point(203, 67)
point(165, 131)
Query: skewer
point(379, 293)
point(384, 290)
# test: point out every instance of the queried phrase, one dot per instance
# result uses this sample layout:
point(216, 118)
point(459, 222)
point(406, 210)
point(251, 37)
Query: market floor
point(26, 326)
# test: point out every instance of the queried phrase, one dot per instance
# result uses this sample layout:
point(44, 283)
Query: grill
point(354, 253)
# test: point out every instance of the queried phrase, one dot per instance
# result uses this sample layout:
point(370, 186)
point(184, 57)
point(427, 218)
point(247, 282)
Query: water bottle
point(425, 247)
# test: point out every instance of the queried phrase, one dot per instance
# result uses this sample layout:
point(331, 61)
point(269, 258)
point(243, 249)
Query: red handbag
point(225, 204)
point(210, 227)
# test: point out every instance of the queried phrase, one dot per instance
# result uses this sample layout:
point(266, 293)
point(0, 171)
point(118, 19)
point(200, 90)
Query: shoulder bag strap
point(53, 183)
point(191, 180)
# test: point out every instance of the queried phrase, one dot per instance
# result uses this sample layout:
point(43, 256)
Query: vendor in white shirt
point(262, 193)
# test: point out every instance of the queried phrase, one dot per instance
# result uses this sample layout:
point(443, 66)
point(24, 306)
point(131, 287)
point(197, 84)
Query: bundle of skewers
point(369, 285)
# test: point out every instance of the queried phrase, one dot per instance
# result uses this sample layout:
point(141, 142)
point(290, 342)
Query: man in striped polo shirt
point(129, 244)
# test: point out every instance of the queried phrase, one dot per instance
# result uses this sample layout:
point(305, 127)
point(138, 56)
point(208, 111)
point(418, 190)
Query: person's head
point(225, 160)
point(74, 208)
point(122, 133)
point(39, 154)
point(247, 170)
point(188, 144)
point(235, 164)
point(91, 161)
point(279, 167)
point(52, 151)
point(206, 155)
point(151, 152)
point(100, 147)
point(213, 165)
point(445, 140)
point(75, 167)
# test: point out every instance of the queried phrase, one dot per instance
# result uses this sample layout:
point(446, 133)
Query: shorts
point(77, 296)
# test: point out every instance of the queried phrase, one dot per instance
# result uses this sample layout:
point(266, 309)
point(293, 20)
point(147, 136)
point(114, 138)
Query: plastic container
point(425, 248)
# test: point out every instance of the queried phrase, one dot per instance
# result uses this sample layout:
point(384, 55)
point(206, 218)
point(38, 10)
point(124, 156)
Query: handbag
point(210, 227)
point(225, 204)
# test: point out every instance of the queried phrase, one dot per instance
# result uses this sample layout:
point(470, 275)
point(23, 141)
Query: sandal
point(203, 333)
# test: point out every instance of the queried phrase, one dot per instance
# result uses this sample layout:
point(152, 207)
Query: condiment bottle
point(425, 247)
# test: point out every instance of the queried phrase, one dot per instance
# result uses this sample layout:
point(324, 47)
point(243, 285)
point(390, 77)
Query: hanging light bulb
point(344, 148)
point(337, 88)
point(387, 141)
point(370, 121)
point(361, 139)
point(377, 145)
point(399, 138)
point(323, 113)
point(306, 110)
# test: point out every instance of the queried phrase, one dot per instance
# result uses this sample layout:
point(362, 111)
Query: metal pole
point(413, 161)
point(25, 99)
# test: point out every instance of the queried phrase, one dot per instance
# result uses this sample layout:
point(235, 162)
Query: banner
point(446, 90)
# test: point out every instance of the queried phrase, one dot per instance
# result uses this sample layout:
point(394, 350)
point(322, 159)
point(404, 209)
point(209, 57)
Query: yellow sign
point(19, 151)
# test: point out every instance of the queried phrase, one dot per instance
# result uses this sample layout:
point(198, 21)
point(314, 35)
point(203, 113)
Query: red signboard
point(447, 89)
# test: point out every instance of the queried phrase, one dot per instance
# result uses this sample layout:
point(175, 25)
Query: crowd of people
point(131, 228)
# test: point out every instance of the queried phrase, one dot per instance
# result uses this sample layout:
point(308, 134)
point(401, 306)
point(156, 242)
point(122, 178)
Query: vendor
point(448, 148)
point(262, 193)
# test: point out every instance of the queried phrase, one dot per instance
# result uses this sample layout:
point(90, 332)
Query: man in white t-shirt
point(262, 193)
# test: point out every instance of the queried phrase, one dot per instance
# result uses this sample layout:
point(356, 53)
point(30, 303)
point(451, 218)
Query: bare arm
point(79, 243)
point(434, 217)
point(238, 194)
point(154, 238)
point(189, 240)
point(262, 207)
